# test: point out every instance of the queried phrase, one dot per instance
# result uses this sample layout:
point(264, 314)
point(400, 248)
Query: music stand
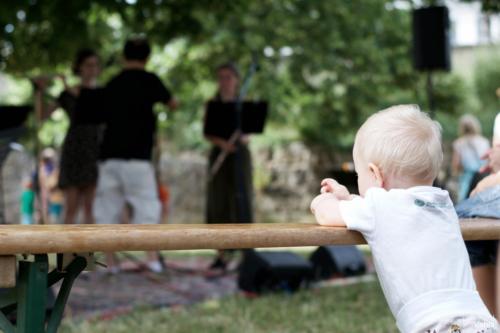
point(221, 118)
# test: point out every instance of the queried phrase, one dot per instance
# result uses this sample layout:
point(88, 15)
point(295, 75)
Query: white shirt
point(419, 254)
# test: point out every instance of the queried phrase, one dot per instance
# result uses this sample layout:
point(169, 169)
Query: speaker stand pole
point(430, 95)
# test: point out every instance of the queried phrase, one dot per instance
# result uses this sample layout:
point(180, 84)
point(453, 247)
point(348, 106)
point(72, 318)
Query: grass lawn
point(356, 308)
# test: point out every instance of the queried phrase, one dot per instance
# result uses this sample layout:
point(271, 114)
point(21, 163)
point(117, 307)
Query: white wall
point(469, 26)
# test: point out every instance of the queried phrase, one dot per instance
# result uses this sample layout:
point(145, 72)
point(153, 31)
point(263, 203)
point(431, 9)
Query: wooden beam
point(7, 271)
point(480, 229)
point(16, 239)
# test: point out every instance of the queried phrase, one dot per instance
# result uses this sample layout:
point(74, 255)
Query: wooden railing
point(39, 239)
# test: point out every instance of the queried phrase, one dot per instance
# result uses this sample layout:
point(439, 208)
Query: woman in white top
point(485, 257)
point(468, 150)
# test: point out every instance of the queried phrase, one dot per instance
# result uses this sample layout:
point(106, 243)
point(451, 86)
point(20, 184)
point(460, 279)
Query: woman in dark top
point(229, 191)
point(80, 151)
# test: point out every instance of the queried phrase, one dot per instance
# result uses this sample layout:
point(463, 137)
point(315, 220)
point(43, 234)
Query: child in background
point(27, 203)
point(410, 226)
point(56, 198)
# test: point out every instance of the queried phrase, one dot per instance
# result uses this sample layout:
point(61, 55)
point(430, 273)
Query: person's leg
point(141, 192)
point(109, 196)
point(72, 203)
point(44, 205)
point(155, 261)
point(112, 263)
point(26, 219)
point(221, 204)
point(109, 201)
point(482, 258)
point(55, 212)
point(88, 195)
point(484, 276)
point(221, 260)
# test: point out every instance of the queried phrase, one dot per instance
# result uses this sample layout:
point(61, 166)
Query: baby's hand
point(318, 199)
point(329, 185)
point(325, 208)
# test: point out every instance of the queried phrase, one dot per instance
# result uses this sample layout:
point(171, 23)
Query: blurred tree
point(325, 65)
point(487, 83)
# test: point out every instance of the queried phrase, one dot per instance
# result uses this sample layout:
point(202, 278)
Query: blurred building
point(470, 26)
point(475, 36)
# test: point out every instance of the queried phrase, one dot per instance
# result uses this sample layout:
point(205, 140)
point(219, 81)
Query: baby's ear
point(377, 174)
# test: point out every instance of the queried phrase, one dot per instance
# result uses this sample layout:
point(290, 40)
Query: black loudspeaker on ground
point(267, 271)
point(341, 260)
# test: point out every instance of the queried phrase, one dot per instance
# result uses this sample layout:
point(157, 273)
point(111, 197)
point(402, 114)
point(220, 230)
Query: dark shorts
point(482, 252)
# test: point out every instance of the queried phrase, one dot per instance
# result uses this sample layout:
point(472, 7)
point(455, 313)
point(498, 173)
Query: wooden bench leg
point(7, 296)
point(71, 273)
point(5, 325)
point(8, 271)
point(30, 295)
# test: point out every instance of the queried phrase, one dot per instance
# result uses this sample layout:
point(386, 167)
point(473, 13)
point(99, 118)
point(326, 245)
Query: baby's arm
point(325, 208)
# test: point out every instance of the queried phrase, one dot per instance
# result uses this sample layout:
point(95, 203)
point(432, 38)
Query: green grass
point(355, 308)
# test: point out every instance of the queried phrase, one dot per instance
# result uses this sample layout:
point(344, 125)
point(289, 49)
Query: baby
point(411, 227)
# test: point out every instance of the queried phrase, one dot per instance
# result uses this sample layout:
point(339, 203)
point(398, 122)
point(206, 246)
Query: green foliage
point(45, 33)
point(487, 88)
point(325, 65)
point(487, 83)
point(54, 129)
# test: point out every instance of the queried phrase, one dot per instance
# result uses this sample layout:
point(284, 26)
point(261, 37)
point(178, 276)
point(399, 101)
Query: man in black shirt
point(126, 174)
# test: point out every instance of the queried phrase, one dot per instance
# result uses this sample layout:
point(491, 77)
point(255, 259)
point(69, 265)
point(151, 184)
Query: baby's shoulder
point(380, 196)
point(375, 193)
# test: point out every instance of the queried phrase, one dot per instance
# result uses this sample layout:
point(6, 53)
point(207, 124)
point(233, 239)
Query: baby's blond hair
point(402, 141)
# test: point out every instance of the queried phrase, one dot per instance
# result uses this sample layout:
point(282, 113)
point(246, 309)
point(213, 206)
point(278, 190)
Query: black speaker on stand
point(343, 260)
point(431, 44)
point(268, 271)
